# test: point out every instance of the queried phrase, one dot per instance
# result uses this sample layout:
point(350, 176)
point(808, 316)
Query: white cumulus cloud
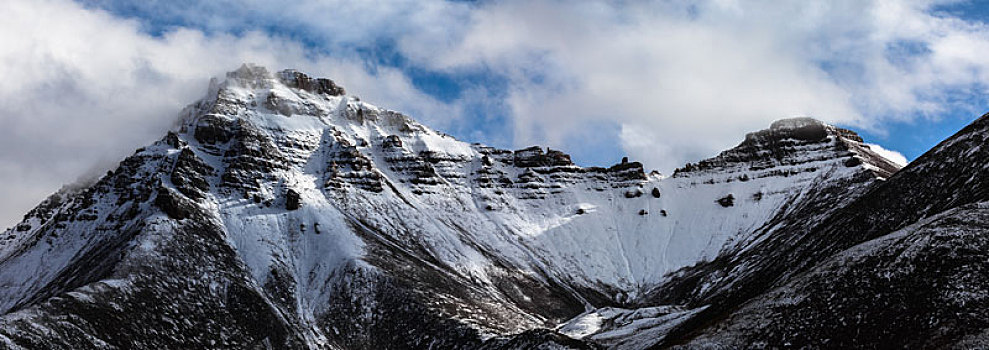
point(687, 79)
point(894, 156)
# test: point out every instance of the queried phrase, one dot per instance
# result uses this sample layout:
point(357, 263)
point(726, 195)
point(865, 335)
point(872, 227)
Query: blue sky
point(917, 135)
point(663, 82)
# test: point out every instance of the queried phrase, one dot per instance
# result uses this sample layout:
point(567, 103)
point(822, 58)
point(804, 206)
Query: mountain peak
point(295, 79)
point(251, 75)
point(802, 128)
point(254, 76)
point(795, 123)
point(795, 145)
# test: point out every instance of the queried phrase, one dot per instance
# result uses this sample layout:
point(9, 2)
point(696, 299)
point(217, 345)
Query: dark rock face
point(534, 157)
point(296, 79)
point(213, 129)
point(397, 319)
point(45, 211)
point(252, 157)
point(292, 200)
point(806, 129)
point(627, 171)
point(172, 204)
point(392, 141)
point(350, 166)
point(537, 339)
point(727, 201)
point(425, 170)
point(189, 175)
point(172, 139)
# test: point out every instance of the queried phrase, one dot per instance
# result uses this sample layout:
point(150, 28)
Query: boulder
point(293, 200)
point(727, 201)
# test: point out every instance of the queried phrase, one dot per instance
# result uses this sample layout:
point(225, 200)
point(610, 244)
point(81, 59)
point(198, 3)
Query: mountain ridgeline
point(282, 213)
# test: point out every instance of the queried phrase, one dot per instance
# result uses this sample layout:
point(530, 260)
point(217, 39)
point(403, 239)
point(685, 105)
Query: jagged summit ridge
point(362, 131)
point(791, 146)
point(254, 76)
point(808, 128)
point(333, 223)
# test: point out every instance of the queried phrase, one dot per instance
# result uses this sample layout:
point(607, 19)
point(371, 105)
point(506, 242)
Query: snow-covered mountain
point(901, 266)
point(282, 213)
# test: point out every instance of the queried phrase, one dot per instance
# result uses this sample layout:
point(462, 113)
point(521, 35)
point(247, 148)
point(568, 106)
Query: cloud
point(681, 88)
point(676, 80)
point(894, 156)
point(684, 80)
point(82, 89)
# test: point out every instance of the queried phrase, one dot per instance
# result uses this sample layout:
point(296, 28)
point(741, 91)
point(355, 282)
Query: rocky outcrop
point(212, 129)
point(293, 201)
point(251, 157)
point(788, 147)
point(348, 166)
point(295, 79)
point(190, 173)
point(534, 157)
